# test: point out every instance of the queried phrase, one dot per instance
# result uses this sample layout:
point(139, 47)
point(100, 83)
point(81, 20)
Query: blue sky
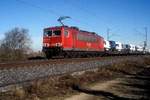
point(126, 19)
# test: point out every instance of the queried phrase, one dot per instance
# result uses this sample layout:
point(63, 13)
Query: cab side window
point(66, 33)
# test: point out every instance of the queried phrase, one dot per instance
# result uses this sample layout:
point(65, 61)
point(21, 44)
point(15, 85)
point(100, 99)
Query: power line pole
point(145, 42)
point(108, 30)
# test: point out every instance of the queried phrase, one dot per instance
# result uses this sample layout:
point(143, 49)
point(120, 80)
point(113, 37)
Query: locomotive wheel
point(48, 55)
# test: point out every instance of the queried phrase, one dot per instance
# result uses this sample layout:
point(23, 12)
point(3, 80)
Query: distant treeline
point(15, 45)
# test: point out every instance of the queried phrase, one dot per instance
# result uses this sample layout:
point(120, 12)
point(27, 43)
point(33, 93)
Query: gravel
point(28, 73)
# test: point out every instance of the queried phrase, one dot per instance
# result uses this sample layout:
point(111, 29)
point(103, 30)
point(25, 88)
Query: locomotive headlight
point(58, 44)
point(46, 44)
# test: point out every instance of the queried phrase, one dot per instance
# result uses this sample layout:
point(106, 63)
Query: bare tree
point(15, 44)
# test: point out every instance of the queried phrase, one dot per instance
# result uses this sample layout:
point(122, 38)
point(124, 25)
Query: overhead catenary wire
point(38, 7)
point(144, 35)
point(50, 11)
point(83, 9)
point(92, 14)
point(108, 31)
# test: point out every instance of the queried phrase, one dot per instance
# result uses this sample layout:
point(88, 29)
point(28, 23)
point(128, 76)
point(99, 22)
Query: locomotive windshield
point(47, 33)
point(52, 32)
point(57, 32)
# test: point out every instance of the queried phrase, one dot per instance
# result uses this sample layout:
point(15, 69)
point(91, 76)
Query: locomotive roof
point(74, 27)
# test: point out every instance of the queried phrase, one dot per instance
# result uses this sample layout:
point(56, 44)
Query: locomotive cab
point(52, 38)
point(52, 41)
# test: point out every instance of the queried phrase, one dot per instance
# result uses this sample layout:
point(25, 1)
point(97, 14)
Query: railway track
point(14, 64)
point(19, 72)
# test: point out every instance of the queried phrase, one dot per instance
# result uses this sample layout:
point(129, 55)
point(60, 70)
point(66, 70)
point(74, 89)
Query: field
point(127, 80)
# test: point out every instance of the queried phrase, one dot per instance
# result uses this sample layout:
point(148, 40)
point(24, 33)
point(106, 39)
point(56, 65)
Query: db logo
point(88, 44)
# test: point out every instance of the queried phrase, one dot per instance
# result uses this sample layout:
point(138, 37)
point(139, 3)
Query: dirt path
point(130, 87)
point(98, 86)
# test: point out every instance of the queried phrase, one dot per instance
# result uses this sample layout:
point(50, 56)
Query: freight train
point(72, 42)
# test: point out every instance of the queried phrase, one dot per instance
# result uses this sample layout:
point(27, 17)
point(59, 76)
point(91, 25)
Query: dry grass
point(60, 86)
point(147, 60)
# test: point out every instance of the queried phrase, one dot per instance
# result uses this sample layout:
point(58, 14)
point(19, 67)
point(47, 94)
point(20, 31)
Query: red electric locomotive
point(71, 42)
